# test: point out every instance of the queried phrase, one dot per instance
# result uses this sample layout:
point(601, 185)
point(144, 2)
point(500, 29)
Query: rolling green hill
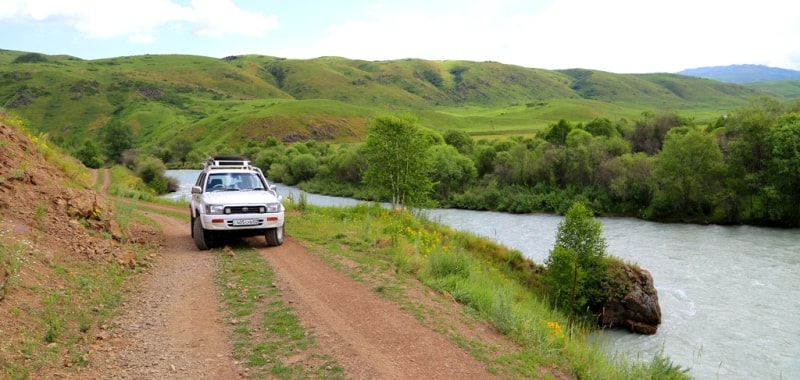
point(245, 98)
point(780, 89)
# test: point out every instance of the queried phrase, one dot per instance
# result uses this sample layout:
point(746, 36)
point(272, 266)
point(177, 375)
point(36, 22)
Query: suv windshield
point(233, 182)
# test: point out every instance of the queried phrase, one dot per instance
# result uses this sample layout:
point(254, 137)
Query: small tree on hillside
point(89, 154)
point(577, 264)
point(116, 138)
point(398, 164)
point(180, 146)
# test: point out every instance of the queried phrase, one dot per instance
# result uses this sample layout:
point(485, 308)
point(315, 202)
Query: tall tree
point(626, 180)
point(557, 133)
point(451, 170)
point(784, 171)
point(398, 163)
point(180, 147)
point(460, 140)
point(650, 131)
point(744, 136)
point(484, 156)
point(687, 173)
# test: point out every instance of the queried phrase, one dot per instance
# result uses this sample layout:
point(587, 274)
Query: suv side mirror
point(197, 190)
point(274, 190)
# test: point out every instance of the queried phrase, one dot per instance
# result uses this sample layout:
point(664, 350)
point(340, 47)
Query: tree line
point(743, 168)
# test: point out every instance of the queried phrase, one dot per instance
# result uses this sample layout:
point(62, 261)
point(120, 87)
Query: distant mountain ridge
point(743, 73)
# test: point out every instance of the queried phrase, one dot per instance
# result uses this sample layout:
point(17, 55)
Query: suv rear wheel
point(274, 236)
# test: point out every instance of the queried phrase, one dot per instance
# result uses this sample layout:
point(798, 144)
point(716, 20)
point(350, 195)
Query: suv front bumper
point(239, 222)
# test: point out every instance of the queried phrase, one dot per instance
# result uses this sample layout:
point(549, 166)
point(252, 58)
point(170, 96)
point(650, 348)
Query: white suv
point(232, 197)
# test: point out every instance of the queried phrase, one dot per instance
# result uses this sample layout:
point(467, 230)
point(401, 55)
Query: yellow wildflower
point(554, 327)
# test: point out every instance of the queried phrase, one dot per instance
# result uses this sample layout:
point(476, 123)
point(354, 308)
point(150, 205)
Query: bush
point(267, 157)
point(89, 154)
point(279, 172)
point(30, 58)
point(151, 170)
point(304, 166)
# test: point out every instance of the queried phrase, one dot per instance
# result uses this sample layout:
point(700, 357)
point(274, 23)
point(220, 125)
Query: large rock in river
point(634, 305)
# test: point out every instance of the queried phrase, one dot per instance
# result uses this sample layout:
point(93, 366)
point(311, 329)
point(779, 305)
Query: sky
point(621, 36)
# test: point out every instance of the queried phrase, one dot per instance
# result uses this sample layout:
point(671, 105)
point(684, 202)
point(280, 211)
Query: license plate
point(245, 222)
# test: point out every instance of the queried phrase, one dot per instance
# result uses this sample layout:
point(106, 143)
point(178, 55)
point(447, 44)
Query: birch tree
point(398, 163)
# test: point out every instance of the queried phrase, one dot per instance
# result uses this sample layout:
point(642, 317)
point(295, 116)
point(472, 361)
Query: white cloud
point(635, 36)
point(142, 38)
point(613, 35)
point(390, 34)
point(220, 17)
point(141, 20)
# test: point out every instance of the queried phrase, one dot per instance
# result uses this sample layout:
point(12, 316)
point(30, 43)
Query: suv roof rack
point(227, 162)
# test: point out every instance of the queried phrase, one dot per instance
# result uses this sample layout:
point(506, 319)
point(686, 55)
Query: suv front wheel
point(274, 236)
point(202, 239)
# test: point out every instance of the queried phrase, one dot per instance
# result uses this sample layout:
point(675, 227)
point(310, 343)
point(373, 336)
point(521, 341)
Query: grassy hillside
point(784, 88)
point(247, 98)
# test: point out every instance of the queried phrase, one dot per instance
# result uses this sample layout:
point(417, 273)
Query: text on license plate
point(245, 222)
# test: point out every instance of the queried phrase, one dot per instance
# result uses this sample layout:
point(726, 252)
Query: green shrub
point(89, 154)
point(304, 166)
point(30, 58)
point(151, 170)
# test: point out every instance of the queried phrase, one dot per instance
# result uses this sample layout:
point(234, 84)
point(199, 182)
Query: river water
point(729, 296)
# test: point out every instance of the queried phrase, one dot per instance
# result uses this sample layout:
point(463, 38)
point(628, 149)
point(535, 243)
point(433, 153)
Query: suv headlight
point(214, 209)
point(273, 207)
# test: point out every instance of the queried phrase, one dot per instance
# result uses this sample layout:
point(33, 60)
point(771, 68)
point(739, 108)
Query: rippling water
point(730, 296)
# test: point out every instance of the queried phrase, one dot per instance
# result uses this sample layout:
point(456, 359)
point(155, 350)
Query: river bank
point(728, 294)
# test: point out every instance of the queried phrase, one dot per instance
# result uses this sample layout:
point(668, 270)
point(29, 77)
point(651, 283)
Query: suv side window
point(200, 179)
point(219, 180)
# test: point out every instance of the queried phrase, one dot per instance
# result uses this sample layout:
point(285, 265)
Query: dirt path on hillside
point(173, 328)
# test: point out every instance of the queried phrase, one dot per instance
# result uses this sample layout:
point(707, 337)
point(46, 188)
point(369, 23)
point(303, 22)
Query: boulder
point(634, 305)
point(79, 204)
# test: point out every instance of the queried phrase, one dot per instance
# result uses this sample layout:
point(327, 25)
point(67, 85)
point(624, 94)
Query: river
point(729, 296)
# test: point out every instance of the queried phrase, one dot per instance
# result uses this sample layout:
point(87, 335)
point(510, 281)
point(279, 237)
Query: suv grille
point(245, 210)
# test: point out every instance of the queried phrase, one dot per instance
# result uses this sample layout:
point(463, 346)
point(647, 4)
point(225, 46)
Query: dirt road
point(173, 329)
point(370, 336)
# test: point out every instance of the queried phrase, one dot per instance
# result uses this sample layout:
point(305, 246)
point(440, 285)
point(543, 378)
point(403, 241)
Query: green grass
point(125, 184)
point(493, 283)
point(784, 88)
point(267, 335)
